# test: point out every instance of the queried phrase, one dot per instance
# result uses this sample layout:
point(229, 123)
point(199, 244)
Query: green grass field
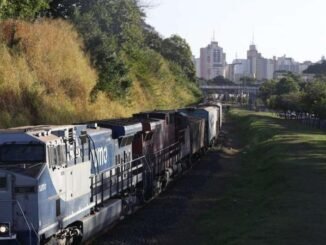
point(278, 194)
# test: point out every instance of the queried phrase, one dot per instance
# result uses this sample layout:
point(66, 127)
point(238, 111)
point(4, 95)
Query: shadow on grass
point(280, 195)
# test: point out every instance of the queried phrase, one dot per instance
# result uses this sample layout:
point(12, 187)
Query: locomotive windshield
point(22, 153)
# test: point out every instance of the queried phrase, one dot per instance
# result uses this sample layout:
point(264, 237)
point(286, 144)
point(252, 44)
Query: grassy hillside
point(279, 194)
point(46, 78)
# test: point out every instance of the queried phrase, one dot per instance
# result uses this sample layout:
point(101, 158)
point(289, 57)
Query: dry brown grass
point(46, 78)
point(44, 75)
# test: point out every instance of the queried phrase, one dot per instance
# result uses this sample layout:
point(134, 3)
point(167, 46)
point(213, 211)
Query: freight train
point(63, 184)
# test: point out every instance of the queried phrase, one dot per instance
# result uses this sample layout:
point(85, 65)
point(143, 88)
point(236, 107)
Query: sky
point(295, 28)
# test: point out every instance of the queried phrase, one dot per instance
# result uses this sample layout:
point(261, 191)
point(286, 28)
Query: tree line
point(291, 93)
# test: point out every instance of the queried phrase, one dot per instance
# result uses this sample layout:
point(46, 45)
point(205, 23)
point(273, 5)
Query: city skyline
point(212, 63)
point(292, 28)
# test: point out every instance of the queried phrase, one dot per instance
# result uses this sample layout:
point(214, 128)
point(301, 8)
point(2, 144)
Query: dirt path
point(172, 218)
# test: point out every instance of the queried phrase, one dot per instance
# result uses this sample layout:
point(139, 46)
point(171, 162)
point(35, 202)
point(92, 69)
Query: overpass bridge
point(226, 91)
point(229, 88)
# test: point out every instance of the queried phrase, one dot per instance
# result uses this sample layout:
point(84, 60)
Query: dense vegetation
point(107, 62)
point(220, 80)
point(277, 195)
point(290, 93)
point(25, 9)
point(119, 40)
point(318, 68)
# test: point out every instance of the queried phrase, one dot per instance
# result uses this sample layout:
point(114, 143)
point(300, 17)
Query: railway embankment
point(264, 184)
point(173, 216)
point(279, 192)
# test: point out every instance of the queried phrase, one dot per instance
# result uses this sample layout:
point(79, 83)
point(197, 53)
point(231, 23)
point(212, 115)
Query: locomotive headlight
point(4, 229)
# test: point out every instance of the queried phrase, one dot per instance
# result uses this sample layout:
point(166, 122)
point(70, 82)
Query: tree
point(286, 85)
point(318, 69)
point(267, 90)
point(22, 9)
point(220, 80)
point(291, 101)
point(315, 97)
point(152, 38)
point(116, 35)
point(321, 109)
point(64, 8)
point(112, 32)
point(247, 81)
point(176, 49)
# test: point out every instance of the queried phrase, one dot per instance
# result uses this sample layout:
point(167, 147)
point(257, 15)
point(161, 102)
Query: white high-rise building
point(256, 63)
point(212, 61)
point(269, 69)
point(287, 64)
point(241, 68)
point(197, 65)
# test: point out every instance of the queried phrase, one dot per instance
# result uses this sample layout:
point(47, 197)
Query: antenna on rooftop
point(253, 38)
point(213, 39)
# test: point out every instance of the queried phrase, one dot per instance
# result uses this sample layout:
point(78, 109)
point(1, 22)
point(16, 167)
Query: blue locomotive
point(63, 184)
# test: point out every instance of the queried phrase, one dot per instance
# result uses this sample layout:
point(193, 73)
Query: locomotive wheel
point(74, 238)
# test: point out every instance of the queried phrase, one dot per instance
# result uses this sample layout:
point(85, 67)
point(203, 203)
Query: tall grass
point(44, 75)
point(46, 78)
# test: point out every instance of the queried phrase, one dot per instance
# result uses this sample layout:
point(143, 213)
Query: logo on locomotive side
point(41, 187)
point(101, 156)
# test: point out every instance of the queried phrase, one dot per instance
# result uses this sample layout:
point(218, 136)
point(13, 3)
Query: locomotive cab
point(37, 188)
point(22, 158)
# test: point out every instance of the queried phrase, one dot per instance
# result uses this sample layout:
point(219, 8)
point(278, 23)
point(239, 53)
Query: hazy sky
point(296, 28)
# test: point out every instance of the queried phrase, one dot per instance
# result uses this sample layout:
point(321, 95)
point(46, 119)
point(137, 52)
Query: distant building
point(287, 64)
point(196, 62)
point(229, 72)
point(254, 59)
point(304, 66)
point(241, 68)
point(278, 75)
point(212, 61)
point(197, 66)
point(269, 68)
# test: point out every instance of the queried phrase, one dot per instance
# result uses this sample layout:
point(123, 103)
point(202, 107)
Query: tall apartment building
point(287, 64)
point(256, 63)
point(196, 62)
point(212, 61)
point(241, 68)
point(259, 67)
point(269, 68)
